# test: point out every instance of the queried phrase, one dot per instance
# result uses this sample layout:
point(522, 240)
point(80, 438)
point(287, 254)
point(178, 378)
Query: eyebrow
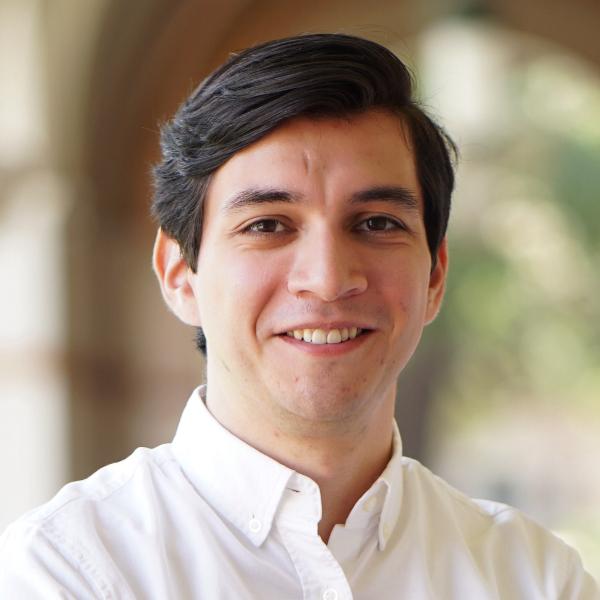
point(255, 196)
point(398, 195)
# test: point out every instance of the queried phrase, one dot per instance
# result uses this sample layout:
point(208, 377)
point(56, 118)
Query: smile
point(322, 336)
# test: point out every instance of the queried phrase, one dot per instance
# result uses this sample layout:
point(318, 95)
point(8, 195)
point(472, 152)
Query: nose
point(327, 267)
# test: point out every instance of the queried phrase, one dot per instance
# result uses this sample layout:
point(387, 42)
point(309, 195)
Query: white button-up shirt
point(208, 516)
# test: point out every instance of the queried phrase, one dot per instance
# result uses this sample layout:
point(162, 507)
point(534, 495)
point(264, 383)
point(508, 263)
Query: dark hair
point(320, 75)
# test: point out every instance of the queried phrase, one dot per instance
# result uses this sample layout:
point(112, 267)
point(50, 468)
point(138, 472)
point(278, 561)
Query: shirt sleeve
point(32, 567)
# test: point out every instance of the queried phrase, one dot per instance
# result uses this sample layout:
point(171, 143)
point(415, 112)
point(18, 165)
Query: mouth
point(320, 337)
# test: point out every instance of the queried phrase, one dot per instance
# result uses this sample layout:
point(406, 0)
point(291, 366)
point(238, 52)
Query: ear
point(174, 277)
point(437, 283)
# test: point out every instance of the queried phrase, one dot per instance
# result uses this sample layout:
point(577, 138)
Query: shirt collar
point(237, 480)
point(247, 486)
point(379, 507)
point(392, 480)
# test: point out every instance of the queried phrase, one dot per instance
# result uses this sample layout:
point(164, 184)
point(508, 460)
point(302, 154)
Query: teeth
point(334, 336)
point(320, 336)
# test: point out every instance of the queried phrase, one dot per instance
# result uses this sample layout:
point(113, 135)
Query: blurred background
point(503, 396)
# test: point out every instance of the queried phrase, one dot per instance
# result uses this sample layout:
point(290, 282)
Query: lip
point(326, 349)
point(328, 325)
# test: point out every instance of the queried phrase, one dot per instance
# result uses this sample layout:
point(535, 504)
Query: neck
point(344, 459)
point(344, 475)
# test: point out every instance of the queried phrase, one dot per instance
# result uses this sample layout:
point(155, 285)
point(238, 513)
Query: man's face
point(317, 228)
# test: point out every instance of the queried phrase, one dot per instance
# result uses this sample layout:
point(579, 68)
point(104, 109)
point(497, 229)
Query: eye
point(379, 223)
point(265, 226)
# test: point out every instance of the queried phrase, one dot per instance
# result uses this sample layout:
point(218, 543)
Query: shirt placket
point(320, 574)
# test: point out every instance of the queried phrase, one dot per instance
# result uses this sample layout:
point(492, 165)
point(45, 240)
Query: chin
point(318, 406)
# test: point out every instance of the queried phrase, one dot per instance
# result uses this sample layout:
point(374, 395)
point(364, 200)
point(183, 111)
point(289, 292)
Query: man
point(302, 200)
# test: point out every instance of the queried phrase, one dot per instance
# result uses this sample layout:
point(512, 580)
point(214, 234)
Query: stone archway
point(131, 364)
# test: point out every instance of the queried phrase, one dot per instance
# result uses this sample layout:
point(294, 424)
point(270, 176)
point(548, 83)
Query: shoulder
point(501, 542)
point(58, 546)
point(104, 490)
point(437, 495)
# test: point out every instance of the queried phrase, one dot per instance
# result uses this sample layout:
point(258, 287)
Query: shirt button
point(254, 525)
point(330, 594)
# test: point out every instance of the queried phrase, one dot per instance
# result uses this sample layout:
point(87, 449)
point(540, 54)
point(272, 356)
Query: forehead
point(325, 157)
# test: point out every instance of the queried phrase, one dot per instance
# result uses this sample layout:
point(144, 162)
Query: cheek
point(404, 287)
point(238, 288)
point(253, 281)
